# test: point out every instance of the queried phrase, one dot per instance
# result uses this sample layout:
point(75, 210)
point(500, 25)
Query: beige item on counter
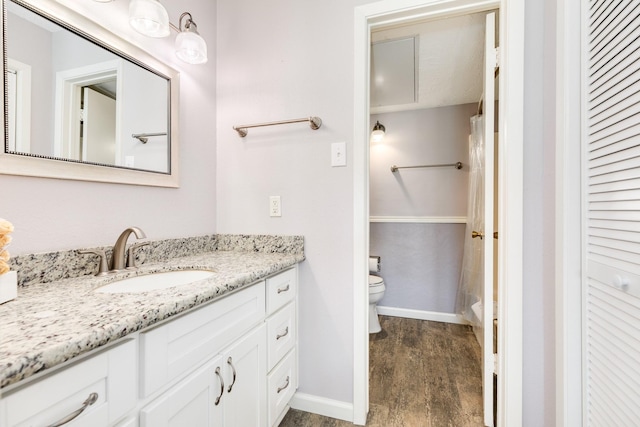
point(4, 255)
point(4, 267)
point(5, 226)
point(5, 239)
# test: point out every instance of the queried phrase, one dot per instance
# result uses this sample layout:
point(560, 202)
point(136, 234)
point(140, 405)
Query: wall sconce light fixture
point(377, 134)
point(150, 18)
point(190, 46)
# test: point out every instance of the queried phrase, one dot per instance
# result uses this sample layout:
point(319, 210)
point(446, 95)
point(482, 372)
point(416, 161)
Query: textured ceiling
point(450, 55)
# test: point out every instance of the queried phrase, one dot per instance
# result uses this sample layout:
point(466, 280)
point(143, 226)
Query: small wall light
point(190, 46)
point(149, 17)
point(377, 134)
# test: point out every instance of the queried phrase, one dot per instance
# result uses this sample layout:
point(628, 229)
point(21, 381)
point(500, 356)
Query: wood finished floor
point(422, 374)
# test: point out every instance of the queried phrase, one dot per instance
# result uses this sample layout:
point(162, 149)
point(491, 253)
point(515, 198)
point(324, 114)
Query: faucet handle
point(131, 260)
point(103, 269)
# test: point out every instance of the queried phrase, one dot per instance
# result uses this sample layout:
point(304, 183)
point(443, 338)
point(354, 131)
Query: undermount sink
point(155, 281)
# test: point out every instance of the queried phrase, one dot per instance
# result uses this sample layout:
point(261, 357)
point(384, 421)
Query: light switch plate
point(338, 154)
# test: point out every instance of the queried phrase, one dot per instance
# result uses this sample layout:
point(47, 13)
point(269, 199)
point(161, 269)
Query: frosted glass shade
point(149, 17)
point(377, 136)
point(191, 48)
point(378, 132)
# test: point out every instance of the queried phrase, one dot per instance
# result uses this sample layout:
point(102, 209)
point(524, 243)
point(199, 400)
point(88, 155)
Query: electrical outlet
point(275, 208)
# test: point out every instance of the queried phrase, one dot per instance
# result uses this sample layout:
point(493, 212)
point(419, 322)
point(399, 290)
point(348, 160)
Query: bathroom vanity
point(221, 351)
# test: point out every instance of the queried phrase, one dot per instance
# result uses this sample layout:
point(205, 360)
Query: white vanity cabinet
point(245, 345)
point(98, 389)
point(228, 363)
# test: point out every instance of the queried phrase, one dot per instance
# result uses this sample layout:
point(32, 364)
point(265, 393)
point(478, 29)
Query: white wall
point(144, 113)
point(55, 214)
point(278, 61)
point(32, 46)
point(420, 137)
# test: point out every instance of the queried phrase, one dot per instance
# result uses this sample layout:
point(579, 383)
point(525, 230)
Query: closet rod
point(314, 123)
point(457, 165)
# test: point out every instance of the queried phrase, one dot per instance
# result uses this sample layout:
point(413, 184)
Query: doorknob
point(475, 234)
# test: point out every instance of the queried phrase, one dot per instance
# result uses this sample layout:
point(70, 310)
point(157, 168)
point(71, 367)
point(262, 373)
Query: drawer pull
point(285, 289)
point(93, 397)
point(233, 368)
point(282, 335)
point(284, 386)
point(221, 386)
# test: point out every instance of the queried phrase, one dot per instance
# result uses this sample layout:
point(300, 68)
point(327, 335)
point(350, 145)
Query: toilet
point(376, 292)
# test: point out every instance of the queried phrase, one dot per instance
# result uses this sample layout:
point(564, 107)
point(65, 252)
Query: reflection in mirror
point(71, 99)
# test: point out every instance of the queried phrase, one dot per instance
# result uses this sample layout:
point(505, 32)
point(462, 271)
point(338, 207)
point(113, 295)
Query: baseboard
point(434, 316)
point(322, 406)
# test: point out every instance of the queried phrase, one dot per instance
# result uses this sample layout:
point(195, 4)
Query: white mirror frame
point(12, 164)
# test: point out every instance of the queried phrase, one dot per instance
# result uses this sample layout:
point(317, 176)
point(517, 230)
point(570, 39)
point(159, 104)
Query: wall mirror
point(82, 103)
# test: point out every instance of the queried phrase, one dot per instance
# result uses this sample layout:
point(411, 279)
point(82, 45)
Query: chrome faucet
point(118, 259)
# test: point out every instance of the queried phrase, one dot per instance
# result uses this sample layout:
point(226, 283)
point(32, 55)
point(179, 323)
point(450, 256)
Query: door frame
point(68, 86)
point(510, 186)
point(569, 211)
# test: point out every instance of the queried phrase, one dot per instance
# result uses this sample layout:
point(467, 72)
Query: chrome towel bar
point(457, 165)
point(314, 123)
point(144, 137)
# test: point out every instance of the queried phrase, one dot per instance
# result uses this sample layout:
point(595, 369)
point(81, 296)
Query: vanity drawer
point(281, 385)
point(169, 351)
point(111, 375)
point(281, 334)
point(281, 289)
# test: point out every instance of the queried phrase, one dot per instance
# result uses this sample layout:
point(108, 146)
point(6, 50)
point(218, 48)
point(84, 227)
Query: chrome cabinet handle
point(230, 363)
point(284, 386)
point(221, 386)
point(93, 397)
point(284, 334)
point(285, 289)
point(475, 234)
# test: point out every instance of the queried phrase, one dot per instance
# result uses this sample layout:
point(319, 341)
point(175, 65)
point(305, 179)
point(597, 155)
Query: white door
point(611, 147)
point(99, 128)
point(488, 364)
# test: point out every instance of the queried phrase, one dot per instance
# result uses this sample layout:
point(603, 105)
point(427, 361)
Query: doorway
point(510, 248)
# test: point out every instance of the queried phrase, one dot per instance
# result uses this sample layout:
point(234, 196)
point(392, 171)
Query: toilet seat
point(376, 284)
point(374, 280)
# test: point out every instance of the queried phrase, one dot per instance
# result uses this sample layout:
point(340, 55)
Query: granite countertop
point(51, 323)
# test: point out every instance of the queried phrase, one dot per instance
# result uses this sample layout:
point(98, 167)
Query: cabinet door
point(245, 403)
point(194, 402)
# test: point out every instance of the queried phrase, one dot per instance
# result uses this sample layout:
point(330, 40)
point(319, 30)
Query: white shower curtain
point(471, 276)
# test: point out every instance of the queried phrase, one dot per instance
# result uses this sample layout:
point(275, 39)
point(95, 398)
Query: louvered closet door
point(612, 287)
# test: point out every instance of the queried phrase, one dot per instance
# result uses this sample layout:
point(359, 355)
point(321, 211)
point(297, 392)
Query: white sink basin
point(155, 281)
